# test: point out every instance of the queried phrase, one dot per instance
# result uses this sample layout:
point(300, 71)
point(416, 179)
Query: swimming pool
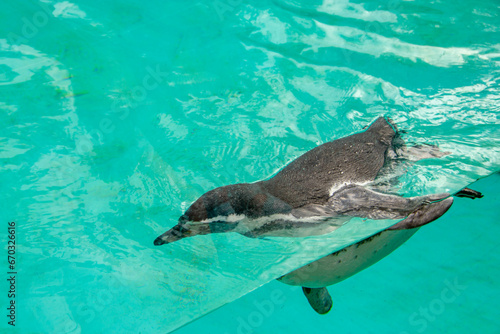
point(117, 115)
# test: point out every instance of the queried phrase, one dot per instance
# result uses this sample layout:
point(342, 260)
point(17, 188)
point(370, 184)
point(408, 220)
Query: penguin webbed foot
point(319, 299)
point(469, 193)
point(420, 152)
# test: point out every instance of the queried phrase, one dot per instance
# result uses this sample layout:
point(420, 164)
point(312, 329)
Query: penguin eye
point(182, 229)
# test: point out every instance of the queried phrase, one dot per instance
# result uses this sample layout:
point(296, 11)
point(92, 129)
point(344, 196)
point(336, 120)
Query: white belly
point(340, 265)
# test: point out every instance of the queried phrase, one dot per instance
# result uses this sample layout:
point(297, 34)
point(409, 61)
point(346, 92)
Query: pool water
point(443, 280)
point(115, 116)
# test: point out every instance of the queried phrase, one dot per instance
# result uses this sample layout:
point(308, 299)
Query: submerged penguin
point(317, 193)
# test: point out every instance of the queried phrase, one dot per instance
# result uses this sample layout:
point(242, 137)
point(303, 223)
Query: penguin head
point(209, 213)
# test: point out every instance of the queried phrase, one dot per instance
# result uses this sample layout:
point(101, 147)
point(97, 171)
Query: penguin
point(317, 193)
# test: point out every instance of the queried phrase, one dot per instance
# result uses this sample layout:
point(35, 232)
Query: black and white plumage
point(317, 193)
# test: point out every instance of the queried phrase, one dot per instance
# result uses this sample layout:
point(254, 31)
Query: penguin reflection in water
point(317, 193)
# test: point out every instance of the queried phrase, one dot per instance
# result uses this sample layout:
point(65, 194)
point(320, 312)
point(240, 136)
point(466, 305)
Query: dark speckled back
point(357, 158)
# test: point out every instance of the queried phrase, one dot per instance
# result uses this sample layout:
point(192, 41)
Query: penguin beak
point(161, 240)
point(177, 232)
point(182, 230)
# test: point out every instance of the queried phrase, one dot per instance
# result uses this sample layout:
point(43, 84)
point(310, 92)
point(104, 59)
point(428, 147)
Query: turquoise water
point(117, 115)
point(402, 293)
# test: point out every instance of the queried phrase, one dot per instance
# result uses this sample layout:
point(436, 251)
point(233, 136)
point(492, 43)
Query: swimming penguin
point(317, 193)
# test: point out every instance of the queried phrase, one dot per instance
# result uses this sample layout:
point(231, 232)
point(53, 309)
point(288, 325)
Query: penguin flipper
point(319, 299)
